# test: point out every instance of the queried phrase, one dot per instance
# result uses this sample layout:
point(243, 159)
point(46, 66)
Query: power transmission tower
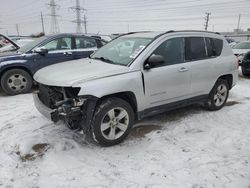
point(85, 23)
point(207, 20)
point(17, 29)
point(42, 23)
point(54, 23)
point(78, 10)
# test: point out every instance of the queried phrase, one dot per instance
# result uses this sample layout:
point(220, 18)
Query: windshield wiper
point(104, 59)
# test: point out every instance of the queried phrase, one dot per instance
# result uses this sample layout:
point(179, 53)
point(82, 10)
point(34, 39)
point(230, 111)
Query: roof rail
point(173, 31)
point(130, 33)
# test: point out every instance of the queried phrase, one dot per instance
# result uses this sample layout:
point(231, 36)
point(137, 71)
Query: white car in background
point(241, 49)
point(12, 47)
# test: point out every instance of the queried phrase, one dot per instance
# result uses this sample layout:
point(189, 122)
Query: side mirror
point(154, 61)
point(41, 50)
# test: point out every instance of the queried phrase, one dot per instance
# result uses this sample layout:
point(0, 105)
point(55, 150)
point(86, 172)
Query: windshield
point(31, 45)
point(243, 45)
point(122, 50)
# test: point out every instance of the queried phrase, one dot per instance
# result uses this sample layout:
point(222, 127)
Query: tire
point(107, 128)
point(218, 95)
point(16, 81)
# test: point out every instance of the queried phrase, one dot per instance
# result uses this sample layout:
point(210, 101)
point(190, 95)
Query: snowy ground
point(190, 148)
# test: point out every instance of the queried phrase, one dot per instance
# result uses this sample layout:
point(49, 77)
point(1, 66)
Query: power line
point(207, 20)
point(17, 29)
point(54, 23)
point(78, 10)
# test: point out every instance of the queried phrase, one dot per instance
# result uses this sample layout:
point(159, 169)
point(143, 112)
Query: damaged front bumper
point(51, 114)
point(74, 113)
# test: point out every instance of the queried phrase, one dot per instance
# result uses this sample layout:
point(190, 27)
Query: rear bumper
point(246, 65)
point(51, 114)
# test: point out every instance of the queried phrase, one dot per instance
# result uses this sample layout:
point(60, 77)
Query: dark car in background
point(17, 68)
point(245, 65)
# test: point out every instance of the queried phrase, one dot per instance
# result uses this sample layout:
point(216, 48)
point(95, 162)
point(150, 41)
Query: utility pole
point(54, 23)
point(85, 23)
point(42, 23)
point(17, 29)
point(238, 25)
point(207, 19)
point(78, 10)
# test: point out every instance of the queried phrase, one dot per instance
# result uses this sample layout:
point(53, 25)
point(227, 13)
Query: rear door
point(169, 82)
point(202, 56)
point(84, 46)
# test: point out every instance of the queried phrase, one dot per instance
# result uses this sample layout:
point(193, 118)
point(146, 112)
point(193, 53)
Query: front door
point(170, 81)
point(59, 50)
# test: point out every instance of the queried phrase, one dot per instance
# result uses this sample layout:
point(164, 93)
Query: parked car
point(6, 41)
point(245, 65)
point(240, 49)
point(17, 68)
point(103, 95)
point(18, 44)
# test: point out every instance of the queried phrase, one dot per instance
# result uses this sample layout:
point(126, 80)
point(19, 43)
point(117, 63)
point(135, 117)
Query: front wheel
point(16, 81)
point(218, 95)
point(112, 122)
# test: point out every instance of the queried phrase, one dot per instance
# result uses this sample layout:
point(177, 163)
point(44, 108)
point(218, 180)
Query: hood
point(74, 72)
point(4, 55)
point(240, 51)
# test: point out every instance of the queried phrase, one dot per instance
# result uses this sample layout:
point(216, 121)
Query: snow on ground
point(192, 148)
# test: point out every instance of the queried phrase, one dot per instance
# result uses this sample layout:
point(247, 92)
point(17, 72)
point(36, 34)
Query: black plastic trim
point(171, 106)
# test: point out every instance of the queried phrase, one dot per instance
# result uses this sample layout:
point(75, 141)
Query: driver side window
point(59, 44)
point(172, 51)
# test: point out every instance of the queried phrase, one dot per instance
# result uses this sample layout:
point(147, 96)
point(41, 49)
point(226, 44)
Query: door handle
point(67, 53)
point(183, 69)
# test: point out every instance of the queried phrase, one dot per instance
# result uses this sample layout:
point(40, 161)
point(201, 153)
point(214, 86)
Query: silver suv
point(134, 76)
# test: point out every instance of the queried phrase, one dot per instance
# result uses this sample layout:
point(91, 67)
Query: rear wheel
point(16, 81)
point(218, 96)
point(112, 122)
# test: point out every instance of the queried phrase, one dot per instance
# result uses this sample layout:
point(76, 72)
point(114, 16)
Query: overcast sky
point(115, 16)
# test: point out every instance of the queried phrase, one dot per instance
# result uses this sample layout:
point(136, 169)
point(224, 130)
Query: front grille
point(49, 95)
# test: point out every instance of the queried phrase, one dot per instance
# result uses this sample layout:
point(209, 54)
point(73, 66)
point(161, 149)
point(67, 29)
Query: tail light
point(237, 62)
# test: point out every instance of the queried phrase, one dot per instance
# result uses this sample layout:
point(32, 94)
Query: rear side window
point(84, 42)
point(217, 45)
point(195, 48)
point(214, 47)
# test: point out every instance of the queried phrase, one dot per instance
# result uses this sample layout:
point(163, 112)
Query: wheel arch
point(228, 78)
point(128, 96)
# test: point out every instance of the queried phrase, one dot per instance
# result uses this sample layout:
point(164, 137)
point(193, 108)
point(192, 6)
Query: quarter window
point(195, 48)
point(172, 50)
point(214, 47)
point(59, 44)
point(217, 44)
point(83, 42)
